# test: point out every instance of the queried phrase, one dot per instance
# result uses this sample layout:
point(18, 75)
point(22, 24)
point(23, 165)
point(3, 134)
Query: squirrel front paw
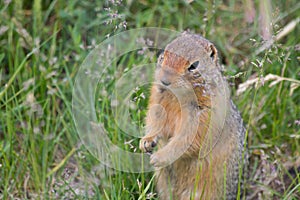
point(147, 144)
point(159, 159)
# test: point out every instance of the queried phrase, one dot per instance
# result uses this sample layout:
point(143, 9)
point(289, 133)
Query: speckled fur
point(193, 100)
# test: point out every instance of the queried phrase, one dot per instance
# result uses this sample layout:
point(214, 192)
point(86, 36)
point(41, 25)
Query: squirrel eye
point(193, 66)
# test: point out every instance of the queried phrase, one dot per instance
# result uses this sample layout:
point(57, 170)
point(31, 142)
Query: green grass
point(42, 45)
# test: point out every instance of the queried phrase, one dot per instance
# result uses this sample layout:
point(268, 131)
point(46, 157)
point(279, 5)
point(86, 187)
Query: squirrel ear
point(159, 52)
point(213, 53)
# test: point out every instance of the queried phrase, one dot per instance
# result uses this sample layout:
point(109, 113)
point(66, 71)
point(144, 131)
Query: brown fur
point(197, 128)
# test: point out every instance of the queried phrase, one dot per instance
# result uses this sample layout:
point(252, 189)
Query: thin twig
point(57, 167)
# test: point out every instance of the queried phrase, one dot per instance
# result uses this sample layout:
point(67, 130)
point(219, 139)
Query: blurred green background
point(43, 43)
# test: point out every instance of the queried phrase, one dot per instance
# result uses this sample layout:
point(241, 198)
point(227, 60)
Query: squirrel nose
point(165, 82)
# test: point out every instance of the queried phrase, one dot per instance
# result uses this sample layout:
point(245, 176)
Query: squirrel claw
point(153, 144)
point(147, 144)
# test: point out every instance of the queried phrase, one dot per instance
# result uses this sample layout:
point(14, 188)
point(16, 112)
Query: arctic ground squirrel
point(194, 132)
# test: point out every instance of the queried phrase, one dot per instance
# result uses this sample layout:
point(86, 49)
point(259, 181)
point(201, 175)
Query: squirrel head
point(184, 61)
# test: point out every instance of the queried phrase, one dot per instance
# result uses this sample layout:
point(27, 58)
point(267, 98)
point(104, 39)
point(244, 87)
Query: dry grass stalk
point(258, 81)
